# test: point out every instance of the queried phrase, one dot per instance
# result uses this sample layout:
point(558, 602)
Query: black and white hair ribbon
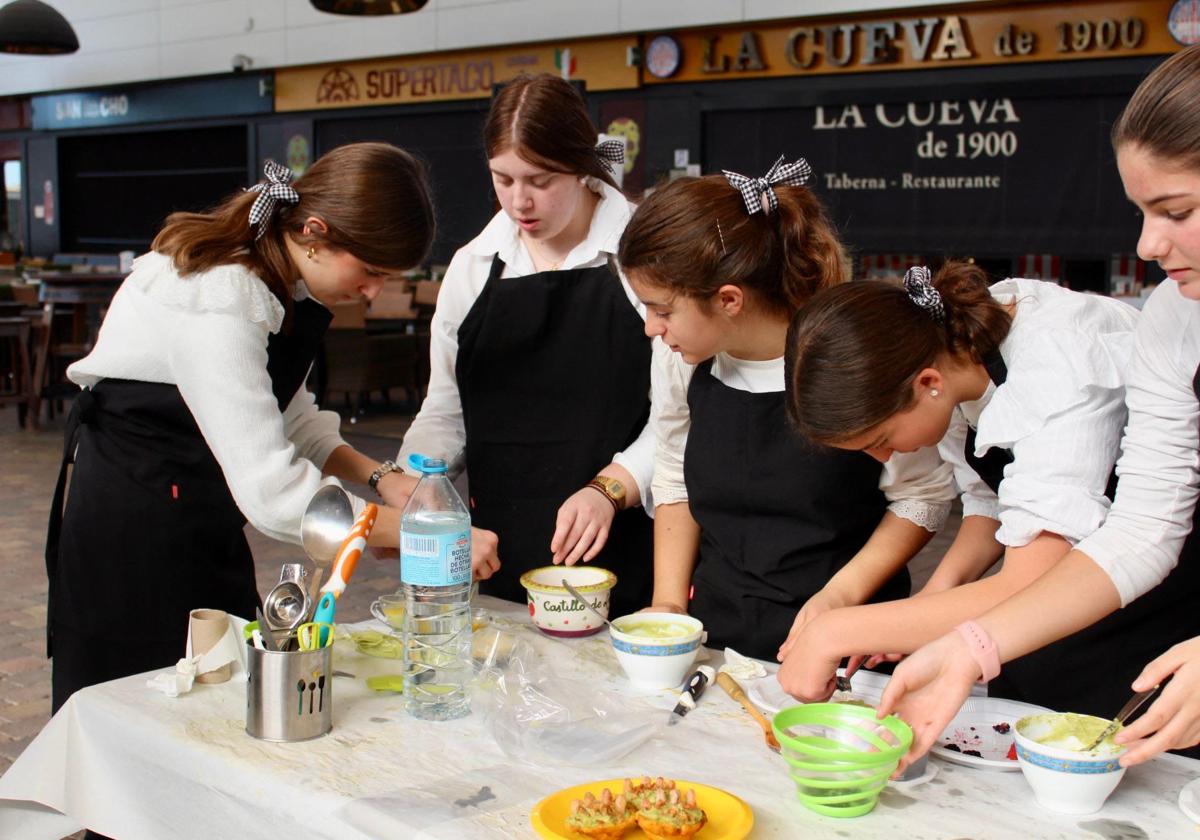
point(277, 188)
point(752, 189)
point(918, 282)
point(610, 152)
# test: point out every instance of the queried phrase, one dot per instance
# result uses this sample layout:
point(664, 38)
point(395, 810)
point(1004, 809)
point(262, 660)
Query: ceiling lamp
point(30, 27)
point(368, 7)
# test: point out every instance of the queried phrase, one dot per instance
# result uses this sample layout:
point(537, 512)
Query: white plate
point(975, 728)
point(768, 695)
point(1189, 800)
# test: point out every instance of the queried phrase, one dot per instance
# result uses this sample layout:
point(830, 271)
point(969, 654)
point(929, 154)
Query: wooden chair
point(15, 368)
point(357, 363)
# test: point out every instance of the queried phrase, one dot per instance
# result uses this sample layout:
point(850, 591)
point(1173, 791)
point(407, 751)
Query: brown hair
point(854, 351)
point(1162, 115)
point(544, 120)
point(694, 235)
point(373, 198)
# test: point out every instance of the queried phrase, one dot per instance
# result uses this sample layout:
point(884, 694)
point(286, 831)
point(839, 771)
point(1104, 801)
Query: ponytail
point(855, 350)
point(694, 235)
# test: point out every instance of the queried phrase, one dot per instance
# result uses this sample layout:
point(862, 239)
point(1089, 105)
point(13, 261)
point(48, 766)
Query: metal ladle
point(327, 519)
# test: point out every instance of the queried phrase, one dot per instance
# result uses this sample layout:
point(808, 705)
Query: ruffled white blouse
point(1061, 412)
point(207, 334)
point(917, 485)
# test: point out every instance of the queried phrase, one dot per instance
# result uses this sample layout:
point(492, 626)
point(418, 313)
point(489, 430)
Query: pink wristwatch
point(983, 649)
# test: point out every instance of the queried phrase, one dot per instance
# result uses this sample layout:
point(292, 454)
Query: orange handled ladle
point(352, 548)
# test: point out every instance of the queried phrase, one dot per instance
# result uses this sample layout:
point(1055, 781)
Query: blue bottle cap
point(429, 466)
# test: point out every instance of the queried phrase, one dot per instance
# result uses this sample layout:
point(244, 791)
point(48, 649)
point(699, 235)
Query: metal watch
point(380, 471)
point(612, 489)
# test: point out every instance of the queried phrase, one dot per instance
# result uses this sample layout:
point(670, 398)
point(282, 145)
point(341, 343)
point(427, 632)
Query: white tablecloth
point(137, 765)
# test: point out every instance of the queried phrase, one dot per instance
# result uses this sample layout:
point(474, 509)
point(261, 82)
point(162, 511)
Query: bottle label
point(435, 559)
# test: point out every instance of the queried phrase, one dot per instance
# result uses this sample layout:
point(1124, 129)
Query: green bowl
point(840, 756)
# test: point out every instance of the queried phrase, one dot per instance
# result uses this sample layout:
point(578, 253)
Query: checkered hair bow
point(610, 152)
point(918, 282)
point(277, 188)
point(752, 189)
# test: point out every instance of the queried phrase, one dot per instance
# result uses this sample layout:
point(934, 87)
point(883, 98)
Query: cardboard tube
point(207, 627)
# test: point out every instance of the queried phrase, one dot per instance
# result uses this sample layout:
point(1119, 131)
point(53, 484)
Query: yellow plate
point(729, 818)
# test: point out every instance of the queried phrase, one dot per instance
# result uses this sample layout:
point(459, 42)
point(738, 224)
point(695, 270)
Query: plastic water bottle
point(435, 575)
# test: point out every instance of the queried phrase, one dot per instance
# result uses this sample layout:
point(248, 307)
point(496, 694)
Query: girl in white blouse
point(194, 416)
point(1022, 386)
point(1152, 524)
point(539, 382)
point(755, 532)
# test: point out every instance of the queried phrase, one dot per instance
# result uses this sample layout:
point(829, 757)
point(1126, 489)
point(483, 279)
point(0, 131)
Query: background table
point(135, 764)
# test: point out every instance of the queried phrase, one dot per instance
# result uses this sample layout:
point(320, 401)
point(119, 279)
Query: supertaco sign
point(996, 35)
point(446, 76)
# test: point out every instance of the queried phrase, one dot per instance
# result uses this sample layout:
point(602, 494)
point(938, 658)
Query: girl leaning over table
point(539, 379)
point(1023, 384)
point(764, 530)
point(1150, 542)
point(194, 416)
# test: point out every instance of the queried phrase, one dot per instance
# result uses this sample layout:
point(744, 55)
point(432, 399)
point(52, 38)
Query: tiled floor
point(28, 468)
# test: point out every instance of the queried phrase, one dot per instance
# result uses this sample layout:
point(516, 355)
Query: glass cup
point(390, 610)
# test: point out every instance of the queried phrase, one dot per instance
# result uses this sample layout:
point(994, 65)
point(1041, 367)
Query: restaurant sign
point(953, 38)
point(602, 64)
point(993, 169)
point(189, 99)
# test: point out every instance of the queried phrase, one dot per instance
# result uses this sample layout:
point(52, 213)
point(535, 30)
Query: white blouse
point(438, 430)
point(1159, 469)
point(918, 486)
point(1060, 411)
point(207, 334)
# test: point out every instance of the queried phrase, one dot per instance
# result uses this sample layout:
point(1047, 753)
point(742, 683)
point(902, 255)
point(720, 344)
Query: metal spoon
point(1135, 703)
point(575, 593)
point(326, 520)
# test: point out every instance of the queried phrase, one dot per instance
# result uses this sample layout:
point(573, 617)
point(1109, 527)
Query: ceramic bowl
point(657, 661)
point(555, 611)
point(1065, 780)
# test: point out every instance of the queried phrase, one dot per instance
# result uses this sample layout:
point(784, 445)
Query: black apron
point(553, 371)
point(778, 517)
point(150, 530)
point(1090, 671)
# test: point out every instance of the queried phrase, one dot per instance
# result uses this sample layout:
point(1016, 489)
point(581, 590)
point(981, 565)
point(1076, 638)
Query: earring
point(933, 392)
point(312, 249)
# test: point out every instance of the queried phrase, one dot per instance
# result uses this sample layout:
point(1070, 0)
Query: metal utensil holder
point(289, 696)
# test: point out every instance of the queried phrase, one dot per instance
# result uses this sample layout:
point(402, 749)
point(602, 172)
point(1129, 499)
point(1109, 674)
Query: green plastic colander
point(840, 755)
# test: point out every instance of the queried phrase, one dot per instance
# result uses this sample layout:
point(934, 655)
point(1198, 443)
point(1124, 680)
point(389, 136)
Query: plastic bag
point(540, 717)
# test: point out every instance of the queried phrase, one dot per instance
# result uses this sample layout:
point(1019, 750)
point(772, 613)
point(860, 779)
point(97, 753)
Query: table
point(135, 764)
point(89, 294)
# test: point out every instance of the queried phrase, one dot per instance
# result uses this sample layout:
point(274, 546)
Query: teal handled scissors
point(314, 635)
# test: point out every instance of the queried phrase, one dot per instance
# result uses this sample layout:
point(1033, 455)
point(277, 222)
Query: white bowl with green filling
point(656, 649)
point(1064, 777)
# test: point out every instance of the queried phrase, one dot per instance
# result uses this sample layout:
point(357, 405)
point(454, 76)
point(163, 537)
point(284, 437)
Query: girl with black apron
point(1032, 376)
point(194, 416)
point(772, 519)
point(539, 379)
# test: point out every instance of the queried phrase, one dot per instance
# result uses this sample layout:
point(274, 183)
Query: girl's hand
point(1173, 720)
point(582, 527)
point(808, 672)
point(927, 690)
point(485, 560)
point(822, 602)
